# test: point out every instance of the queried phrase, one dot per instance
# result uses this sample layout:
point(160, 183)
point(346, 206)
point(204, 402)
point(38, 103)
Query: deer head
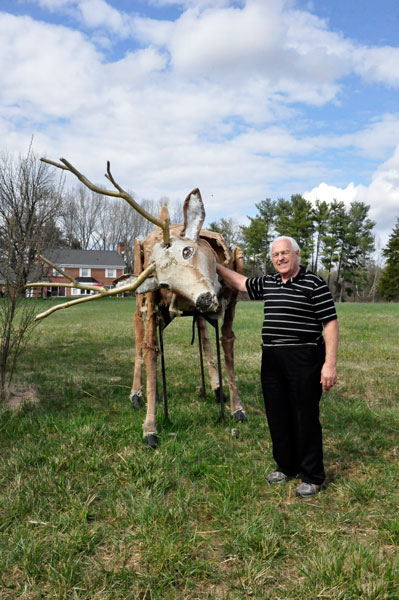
point(187, 264)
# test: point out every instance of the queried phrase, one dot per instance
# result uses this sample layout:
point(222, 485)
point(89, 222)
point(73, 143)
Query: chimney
point(121, 248)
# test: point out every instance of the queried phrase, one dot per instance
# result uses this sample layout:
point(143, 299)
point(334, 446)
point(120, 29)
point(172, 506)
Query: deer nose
point(206, 301)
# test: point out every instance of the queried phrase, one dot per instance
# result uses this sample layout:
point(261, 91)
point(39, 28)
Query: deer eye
point(187, 252)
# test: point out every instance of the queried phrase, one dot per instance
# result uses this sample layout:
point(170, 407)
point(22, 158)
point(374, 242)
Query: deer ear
point(149, 285)
point(194, 215)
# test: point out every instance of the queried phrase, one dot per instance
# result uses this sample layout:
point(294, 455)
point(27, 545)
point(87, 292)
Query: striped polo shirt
point(294, 312)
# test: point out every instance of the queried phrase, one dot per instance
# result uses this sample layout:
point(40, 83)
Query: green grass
point(89, 512)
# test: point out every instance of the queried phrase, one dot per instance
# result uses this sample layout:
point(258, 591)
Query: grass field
point(88, 511)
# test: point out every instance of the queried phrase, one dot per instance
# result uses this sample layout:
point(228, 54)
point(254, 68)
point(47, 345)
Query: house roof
point(2, 276)
point(65, 257)
point(34, 275)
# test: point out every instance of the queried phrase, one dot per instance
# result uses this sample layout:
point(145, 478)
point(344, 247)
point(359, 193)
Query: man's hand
point(328, 376)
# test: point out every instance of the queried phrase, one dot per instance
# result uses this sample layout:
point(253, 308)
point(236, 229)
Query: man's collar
point(300, 273)
point(298, 276)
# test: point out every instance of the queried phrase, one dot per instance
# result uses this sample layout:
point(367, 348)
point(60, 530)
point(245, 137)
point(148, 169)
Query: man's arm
point(329, 369)
point(233, 279)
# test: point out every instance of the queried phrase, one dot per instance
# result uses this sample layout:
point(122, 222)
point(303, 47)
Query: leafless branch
point(130, 287)
point(120, 193)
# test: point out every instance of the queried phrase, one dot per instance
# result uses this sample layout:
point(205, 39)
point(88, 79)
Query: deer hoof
point(219, 396)
point(136, 401)
point(239, 416)
point(152, 440)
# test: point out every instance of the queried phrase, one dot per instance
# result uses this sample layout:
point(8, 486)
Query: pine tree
point(295, 218)
point(388, 287)
point(257, 238)
point(229, 229)
point(334, 238)
point(321, 214)
point(359, 246)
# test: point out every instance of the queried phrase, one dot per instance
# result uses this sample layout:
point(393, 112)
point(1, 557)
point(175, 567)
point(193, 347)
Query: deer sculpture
point(175, 274)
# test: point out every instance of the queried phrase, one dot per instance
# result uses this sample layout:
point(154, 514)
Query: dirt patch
point(18, 396)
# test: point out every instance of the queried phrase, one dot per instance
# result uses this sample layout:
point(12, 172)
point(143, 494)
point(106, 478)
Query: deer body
point(186, 283)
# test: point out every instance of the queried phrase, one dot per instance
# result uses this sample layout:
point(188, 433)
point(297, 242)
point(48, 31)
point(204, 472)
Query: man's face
point(285, 260)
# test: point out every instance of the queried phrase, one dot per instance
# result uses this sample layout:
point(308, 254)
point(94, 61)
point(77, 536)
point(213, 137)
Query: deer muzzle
point(206, 302)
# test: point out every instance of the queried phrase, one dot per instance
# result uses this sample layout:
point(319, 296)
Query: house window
point(85, 272)
point(79, 292)
point(110, 273)
point(56, 274)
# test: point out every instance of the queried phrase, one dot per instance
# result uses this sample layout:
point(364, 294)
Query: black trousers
point(291, 392)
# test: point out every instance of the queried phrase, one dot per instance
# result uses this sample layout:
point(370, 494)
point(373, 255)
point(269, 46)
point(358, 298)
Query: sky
point(245, 99)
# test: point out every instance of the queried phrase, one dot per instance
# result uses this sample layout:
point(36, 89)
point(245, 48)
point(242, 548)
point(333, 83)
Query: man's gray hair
point(293, 242)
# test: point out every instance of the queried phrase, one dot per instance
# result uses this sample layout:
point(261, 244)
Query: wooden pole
point(222, 415)
point(203, 393)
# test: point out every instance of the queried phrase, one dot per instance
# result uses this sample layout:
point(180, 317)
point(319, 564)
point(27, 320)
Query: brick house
point(95, 267)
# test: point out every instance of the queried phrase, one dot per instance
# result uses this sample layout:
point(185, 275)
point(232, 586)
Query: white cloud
point(46, 71)
point(379, 137)
point(290, 51)
point(382, 195)
point(198, 4)
point(55, 5)
point(328, 193)
point(285, 52)
point(260, 44)
point(97, 13)
point(93, 14)
point(378, 65)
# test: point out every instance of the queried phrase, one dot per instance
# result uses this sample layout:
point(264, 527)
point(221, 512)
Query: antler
point(103, 293)
point(73, 284)
point(121, 193)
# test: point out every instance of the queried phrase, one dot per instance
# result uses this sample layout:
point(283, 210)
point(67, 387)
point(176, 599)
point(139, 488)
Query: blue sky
point(246, 99)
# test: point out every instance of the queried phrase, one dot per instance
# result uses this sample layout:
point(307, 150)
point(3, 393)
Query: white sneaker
point(278, 477)
point(305, 490)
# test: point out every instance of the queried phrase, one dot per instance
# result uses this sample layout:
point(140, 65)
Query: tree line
point(336, 242)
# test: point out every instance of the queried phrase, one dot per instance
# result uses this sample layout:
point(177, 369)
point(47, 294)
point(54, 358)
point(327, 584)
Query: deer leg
point(136, 393)
point(213, 371)
point(228, 337)
point(151, 351)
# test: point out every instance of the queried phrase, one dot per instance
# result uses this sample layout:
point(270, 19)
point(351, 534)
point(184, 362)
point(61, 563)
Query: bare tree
point(177, 212)
point(17, 316)
point(80, 214)
point(117, 223)
point(91, 220)
point(29, 204)
point(29, 201)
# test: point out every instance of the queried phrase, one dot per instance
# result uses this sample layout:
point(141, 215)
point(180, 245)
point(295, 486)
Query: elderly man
point(298, 363)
